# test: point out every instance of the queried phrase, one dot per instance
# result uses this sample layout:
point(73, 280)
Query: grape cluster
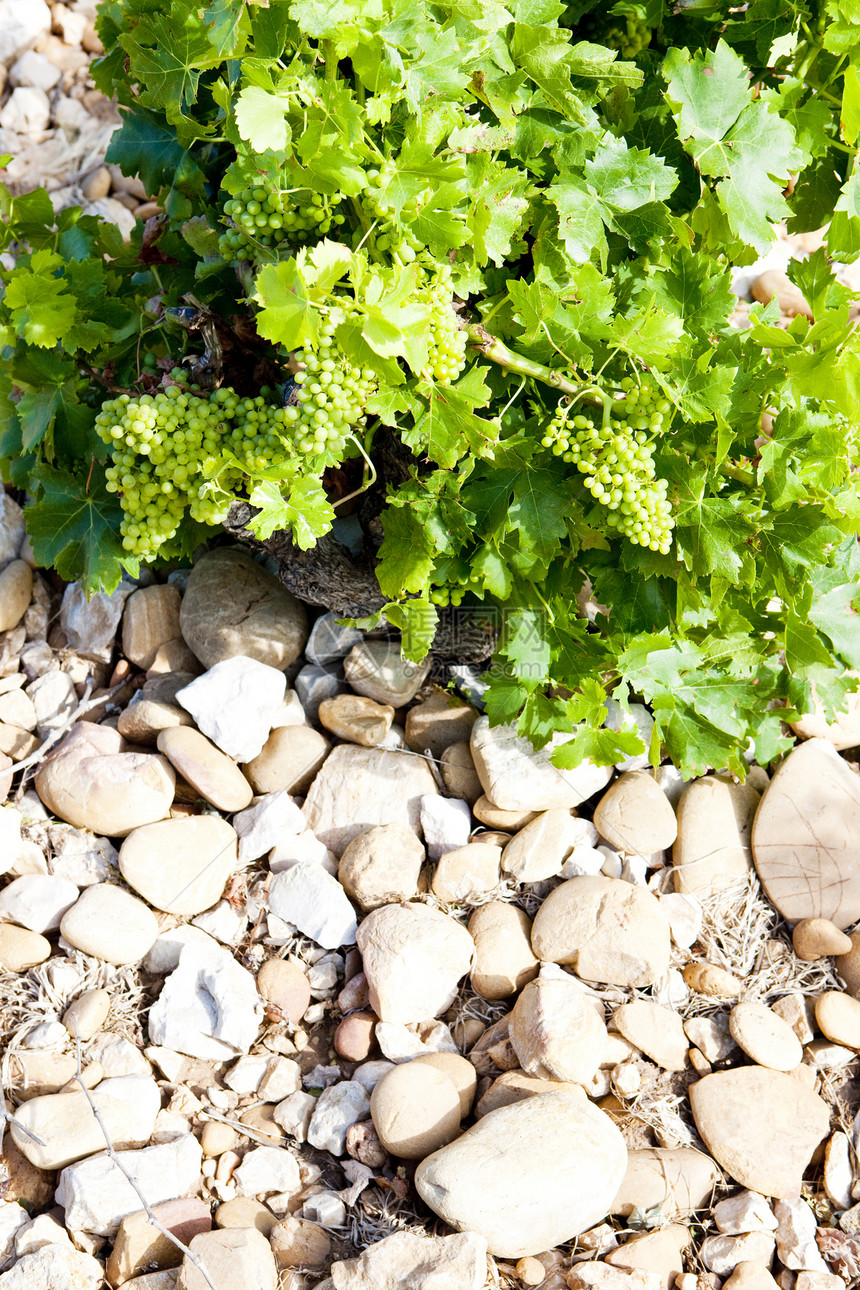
point(333, 394)
point(446, 342)
point(617, 461)
point(388, 235)
point(158, 442)
point(265, 217)
point(629, 39)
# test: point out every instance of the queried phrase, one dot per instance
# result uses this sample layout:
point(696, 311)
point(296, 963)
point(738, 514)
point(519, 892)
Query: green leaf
point(417, 621)
point(286, 315)
point(261, 118)
point(835, 610)
point(41, 307)
point(75, 530)
point(305, 511)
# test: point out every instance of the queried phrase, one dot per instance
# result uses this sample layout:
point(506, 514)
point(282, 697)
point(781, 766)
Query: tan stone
point(799, 1011)
point(458, 773)
point(356, 719)
point(540, 847)
point(111, 924)
point(377, 669)
point(459, 1071)
point(414, 958)
point(358, 788)
point(286, 986)
point(437, 723)
point(805, 836)
point(235, 1257)
point(530, 1271)
point(634, 814)
point(556, 1031)
point(749, 1275)
point(16, 589)
point(504, 961)
point(354, 1036)
point(34, 1073)
point(467, 872)
point(765, 1037)
point(657, 1031)
point(217, 1138)
point(21, 949)
point(817, 938)
point(493, 816)
point(289, 760)
point(245, 1211)
point(844, 732)
point(138, 1246)
point(517, 1086)
point(848, 965)
point(381, 865)
point(659, 1252)
point(707, 978)
point(774, 283)
point(712, 852)
point(142, 722)
point(180, 866)
point(838, 1017)
point(214, 775)
point(150, 620)
point(416, 1110)
point(296, 1243)
point(17, 743)
point(673, 1179)
point(87, 1014)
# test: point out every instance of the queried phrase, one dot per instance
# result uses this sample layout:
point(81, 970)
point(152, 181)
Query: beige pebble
point(504, 961)
point(460, 1072)
point(21, 949)
point(791, 299)
point(97, 184)
point(765, 1037)
point(286, 986)
point(147, 210)
point(289, 760)
point(16, 742)
point(16, 588)
point(297, 1243)
point(706, 978)
point(488, 813)
point(750, 1276)
point(816, 938)
point(244, 1211)
point(467, 872)
point(355, 718)
point(217, 1138)
point(87, 1014)
point(530, 1271)
point(150, 620)
point(457, 768)
point(415, 1110)
point(838, 1017)
point(354, 1036)
point(214, 775)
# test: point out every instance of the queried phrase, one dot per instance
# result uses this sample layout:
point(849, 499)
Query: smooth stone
point(414, 958)
point(659, 1252)
point(504, 961)
point(495, 818)
point(459, 1070)
point(556, 1031)
point(414, 1259)
point(713, 850)
point(540, 848)
point(151, 619)
point(18, 709)
point(53, 1266)
point(68, 1129)
point(16, 589)
point(16, 743)
point(600, 1276)
point(562, 1157)
point(236, 1258)
point(208, 1006)
point(232, 605)
point(761, 1125)
point(607, 930)
point(672, 1179)
point(415, 1110)
point(180, 866)
point(139, 1246)
point(85, 1017)
point(515, 1086)
point(765, 1037)
point(457, 769)
point(355, 1035)
point(358, 788)
point(657, 1031)
point(635, 815)
point(848, 965)
point(747, 1211)
point(36, 1072)
point(290, 759)
point(37, 901)
point(297, 1243)
point(467, 873)
point(217, 1138)
point(375, 669)
point(382, 866)
point(716, 982)
point(357, 719)
point(838, 1017)
point(329, 641)
point(89, 782)
point(314, 902)
point(214, 775)
point(804, 836)
point(284, 986)
point(750, 1275)
point(438, 722)
point(517, 777)
point(143, 721)
point(110, 924)
point(843, 733)
point(20, 949)
point(838, 1174)
point(818, 938)
point(446, 823)
point(245, 1211)
point(234, 704)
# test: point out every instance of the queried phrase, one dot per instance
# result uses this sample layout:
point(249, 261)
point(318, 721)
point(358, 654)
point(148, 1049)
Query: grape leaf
point(261, 118)
point(75, 529)
point(305, 511)
point(286, 315)
point(41, 306)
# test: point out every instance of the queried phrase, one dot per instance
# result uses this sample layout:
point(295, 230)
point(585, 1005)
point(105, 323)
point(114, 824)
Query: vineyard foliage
point(499, 237)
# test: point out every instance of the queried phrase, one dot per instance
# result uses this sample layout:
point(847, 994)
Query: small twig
point(209, 1113)
point(10, 1118)
point(174, 1240)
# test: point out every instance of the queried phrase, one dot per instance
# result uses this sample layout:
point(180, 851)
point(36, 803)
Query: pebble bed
point(365, 994)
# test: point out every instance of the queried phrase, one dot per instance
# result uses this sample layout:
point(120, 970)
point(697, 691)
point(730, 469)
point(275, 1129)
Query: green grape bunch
point(263, 217)
point(629, 36)
point(446, 341)
point(616, 456)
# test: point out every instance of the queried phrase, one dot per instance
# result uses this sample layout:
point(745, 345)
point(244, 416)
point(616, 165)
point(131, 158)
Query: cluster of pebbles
point(364, 992)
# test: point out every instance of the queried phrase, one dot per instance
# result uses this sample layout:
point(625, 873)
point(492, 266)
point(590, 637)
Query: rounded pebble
point(285, 986)
point(16, 588)
point(838, 1017)
point(765, 1037)
point(289, 760)
point(20, 949)
point(244, 1211)
point(818, 938)
point(415, 1110)
point(216, 776)
point(86, 1016)
point(110, 924)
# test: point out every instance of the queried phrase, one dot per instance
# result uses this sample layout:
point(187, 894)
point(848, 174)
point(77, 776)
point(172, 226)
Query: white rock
point(37, 901)
point(325, 1208)
point(838, 1171)
point(446, 823)
point(22, 23)
point(294, 1114)
point(40, 1231)
point(517, 778)
point(35, 70)
point(314, 902)
point(711, 1035)
point(722, 1254)
point(209, 1006)
point(97, 1197)
point(289, 713)
point(13, 848)
point(91, 624)
point(245, 1076)
point(414, 958)
point(164, 955)
point(80, 856)
point(328, 642)
point(47, 1037)
point(282, 1078)
point(406, 1259)
point(401, 1043)
point(264, 823)
point(12, 530)
point(233, 702)
point(337, 1108)
point(293, 850)
point(684, 914)
point(54, 698)
point(747, 1211)
point(638, 719)
point(68, 1130)
point(12, 1219)
point(267, 1169)
point(117, 1056)
point(54, 1266)
point(224, 922)
point(795, 1236)
point(671, 781)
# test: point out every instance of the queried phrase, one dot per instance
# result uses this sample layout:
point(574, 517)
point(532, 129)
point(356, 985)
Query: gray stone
point(328, 642)
point(314, 902)
point(12, 530)
point(54, 699)
point(377, 670)
point(313, 684)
